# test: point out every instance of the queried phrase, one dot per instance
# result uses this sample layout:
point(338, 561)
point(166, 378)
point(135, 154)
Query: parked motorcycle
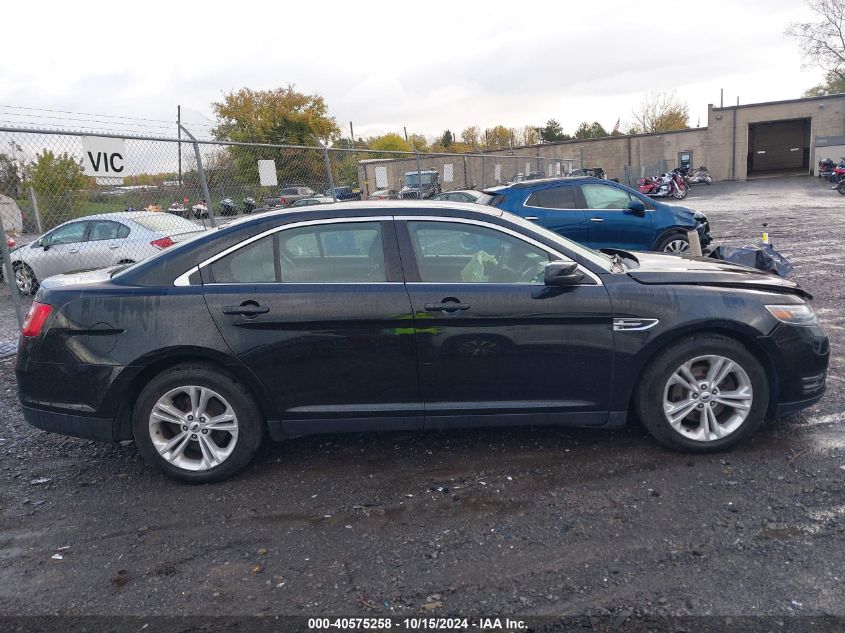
point(228, 207)
point(838, 172)
point(826, 167)
point(701, 175)
point(249, 204)
point(667, 184)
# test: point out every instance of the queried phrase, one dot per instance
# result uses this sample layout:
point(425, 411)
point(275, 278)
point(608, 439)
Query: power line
point(111, 116)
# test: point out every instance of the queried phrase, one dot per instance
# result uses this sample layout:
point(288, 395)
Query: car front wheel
point(675, 244)
point(197, 423)
point(703, 394)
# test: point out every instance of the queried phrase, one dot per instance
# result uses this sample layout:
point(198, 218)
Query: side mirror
point(45, 244)
point(560, 273)
point(636, 207)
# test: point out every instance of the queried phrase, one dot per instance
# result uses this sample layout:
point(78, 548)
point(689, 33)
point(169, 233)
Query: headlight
point(794, 314)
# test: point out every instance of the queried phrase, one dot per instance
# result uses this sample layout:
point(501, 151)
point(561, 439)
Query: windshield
point(599, 259)
point(412, 179)
point(166, 223)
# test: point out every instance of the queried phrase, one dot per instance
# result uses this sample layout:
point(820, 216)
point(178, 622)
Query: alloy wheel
point(24, 280)
point(707, 398)
point(193, 428)
point(676, 246)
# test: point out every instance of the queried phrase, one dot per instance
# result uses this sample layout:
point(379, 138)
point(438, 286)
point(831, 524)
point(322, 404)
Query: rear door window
point(553, 198)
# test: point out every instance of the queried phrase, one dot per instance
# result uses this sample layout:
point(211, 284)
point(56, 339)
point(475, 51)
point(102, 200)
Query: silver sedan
point(97, 241)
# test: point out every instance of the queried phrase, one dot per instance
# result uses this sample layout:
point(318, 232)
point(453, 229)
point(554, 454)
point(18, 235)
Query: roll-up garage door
point(778, 145)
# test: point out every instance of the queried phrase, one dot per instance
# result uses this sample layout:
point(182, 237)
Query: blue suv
point(601, 214)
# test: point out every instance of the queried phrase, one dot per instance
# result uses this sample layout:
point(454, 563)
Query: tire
point(680, 193)
point(189, 458)
point(672, 244)
point(659, 392)
point(841, 188)
point(25, 279)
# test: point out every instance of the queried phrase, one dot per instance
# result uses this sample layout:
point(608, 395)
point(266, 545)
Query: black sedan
point(408, 315)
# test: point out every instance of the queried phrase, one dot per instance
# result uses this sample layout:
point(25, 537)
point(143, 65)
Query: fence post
point(201, 174)
point(35, 210)
point(328, 162)
point(483, 173)
point(10, 273)
point(419, 177)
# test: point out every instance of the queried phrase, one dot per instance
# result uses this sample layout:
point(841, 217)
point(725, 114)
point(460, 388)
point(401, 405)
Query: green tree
point(446, 139)
point(389, 143)
point(58, 179)
point(498, 137)
point(833, 84)
point(281, 116)
point(553, 132)
point(418, 142)
point(590, 130)
point(470, 136)
point(529, 135)
point(661, 112)
point(823, 43)
point(10, 177)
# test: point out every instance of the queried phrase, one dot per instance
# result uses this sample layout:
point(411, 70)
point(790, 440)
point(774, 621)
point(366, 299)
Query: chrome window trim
point(503, 229)
point(182, 280)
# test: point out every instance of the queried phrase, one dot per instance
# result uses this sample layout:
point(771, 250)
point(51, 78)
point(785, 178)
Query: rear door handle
point(531, 217)
point(74, 251)
point(113, 246)
point(596, 219)
point(247, 310)
point(449, 306)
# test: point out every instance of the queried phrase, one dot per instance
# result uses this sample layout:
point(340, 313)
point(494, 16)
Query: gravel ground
point(535, 521)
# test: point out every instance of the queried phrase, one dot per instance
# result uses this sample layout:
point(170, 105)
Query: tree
point(823, 42)
point(590, 130)
point(418, 142)
point(389, 143)
point(529, 135)
point(58, 179)
point(470, 136)
point(553, 132)
point(498, 137)
point(10, 177)
point(661, 112)
point(833, 84)
point(446, 139)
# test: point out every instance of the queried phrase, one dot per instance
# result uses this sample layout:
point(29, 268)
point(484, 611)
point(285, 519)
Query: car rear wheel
point(197, 423)
point(703, 394)
point(25, 279)
point(675, 244)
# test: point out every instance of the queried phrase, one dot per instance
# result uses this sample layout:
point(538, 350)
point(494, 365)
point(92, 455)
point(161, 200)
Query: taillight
point(36, 318)
point(162, 243)
point(282, 201)
point(10, 242)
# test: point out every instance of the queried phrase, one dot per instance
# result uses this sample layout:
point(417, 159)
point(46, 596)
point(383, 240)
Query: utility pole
point(721, 97)
point(406, 133)
point(352, 134)
point(179, 136)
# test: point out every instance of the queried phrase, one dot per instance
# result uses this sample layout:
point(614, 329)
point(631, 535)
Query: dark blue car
point(601, 214)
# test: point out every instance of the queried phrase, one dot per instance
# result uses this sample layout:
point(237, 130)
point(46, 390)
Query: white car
point(97, 241)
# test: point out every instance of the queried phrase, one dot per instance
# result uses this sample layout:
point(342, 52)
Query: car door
point(612, 223)
point(319, 312)
point(59, 250)
point(557, 209)
point(105, 246)
point(493, 340)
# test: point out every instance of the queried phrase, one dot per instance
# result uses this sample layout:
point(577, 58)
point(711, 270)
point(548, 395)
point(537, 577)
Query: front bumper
point(800, 355)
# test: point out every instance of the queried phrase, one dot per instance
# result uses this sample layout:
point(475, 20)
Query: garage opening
point(779, 148)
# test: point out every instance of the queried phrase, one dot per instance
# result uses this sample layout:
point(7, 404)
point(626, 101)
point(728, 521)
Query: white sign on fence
point(267, 173)
point(498, 173)
point(557, 170)
point(527, 168)
point(381, 177)
point(448, 172)
point(104, 158)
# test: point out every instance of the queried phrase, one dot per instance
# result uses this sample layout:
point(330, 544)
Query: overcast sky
point(426, 65)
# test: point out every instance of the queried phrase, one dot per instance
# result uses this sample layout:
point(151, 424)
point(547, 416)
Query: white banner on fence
point(498, 173)
point(267, 173)
point(104, 158)
point(448, 172)
point(527, 168)
point(381, 177)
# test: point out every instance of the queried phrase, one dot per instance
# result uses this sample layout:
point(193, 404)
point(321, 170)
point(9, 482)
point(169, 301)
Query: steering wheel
point(530, 271)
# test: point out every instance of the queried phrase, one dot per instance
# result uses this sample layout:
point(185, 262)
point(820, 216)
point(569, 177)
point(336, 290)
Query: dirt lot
point(527, 521)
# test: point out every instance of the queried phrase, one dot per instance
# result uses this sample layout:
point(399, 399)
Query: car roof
point(528, 184)
point(127, 216)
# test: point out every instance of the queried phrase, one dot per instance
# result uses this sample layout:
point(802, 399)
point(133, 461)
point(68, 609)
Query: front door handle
point(73, 251)
point(596, 219)
point(249, 310)
point(531, 217)
point(113, 246)
point(448, 306)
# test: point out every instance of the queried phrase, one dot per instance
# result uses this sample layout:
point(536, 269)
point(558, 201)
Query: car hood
point(656, 268)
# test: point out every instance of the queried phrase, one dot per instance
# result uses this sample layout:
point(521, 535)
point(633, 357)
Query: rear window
point(553, 198)
point(491, 199)
point(166, 223)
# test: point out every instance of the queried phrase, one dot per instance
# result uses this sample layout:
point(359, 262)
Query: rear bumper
point(101, 429)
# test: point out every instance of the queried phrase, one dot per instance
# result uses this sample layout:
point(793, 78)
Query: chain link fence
point(71, 202)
